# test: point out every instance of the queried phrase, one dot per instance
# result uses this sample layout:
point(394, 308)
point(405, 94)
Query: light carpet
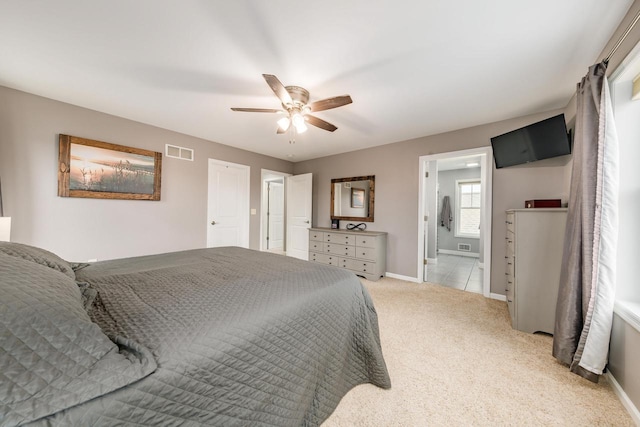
point(454, 360)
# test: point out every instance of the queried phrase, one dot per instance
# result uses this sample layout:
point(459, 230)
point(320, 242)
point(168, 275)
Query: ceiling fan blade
point(280, 131)
point(258, 110)
point(329, 103)
point(312, 120)
point(278, 88)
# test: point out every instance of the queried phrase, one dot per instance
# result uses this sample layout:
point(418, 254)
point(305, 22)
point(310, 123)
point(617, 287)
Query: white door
point(228, 204)
point(299, 188)
point(275, 214)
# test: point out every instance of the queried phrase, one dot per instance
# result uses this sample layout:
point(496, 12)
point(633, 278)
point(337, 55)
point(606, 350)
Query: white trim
point(432, 260)
point(401, 277)
point(486, 176)
point(624, 398)
point(498, 297)
point(629, 312)
point(481, 265)
point(460, 253)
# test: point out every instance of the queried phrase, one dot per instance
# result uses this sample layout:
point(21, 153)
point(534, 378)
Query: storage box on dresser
point(363, 252)
point(534, 241)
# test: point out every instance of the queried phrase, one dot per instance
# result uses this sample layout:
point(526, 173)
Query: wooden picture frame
point(357, 197)
point(101, 170)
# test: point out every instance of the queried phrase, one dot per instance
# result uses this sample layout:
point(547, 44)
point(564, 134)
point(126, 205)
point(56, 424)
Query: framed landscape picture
point(357, 197)
point(96, 169)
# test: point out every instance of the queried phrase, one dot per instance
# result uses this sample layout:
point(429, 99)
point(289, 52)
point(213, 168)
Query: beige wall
point(82, 229)
point(396, 167)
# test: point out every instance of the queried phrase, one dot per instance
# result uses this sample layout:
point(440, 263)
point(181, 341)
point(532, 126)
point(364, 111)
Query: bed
point(221, 336)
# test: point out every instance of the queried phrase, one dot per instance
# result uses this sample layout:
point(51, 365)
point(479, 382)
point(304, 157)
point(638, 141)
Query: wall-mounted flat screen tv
point(541, 140)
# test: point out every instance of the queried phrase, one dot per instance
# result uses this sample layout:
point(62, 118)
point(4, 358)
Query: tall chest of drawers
point(534, 243)
point(363, 252)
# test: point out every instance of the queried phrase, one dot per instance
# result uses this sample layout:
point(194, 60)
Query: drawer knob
point(509, 300)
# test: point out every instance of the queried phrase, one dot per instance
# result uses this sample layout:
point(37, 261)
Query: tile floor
point(457, 272)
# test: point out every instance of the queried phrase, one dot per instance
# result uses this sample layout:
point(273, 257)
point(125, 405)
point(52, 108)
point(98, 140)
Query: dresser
point(363, 252)
point(535, 239)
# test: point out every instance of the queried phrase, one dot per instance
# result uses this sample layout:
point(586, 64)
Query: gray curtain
point(584, 312)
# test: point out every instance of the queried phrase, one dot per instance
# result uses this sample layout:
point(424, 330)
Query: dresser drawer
point(359, 266)
point(366, 253)
point(316, 236)
point(331, 248)
point(365, 242)
point(333, 259)
point(316, 246)
point(510, 268)
point(338, 238)
point(317, 257)
point(510, 223)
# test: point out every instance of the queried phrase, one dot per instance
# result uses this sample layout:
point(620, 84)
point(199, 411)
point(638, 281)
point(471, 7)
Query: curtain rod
point(622, 37)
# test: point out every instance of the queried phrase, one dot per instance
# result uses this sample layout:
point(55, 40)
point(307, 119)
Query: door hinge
point(426, 174)
point(425, 262)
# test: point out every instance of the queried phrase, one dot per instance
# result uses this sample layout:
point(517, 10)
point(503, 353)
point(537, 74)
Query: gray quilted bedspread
point(240, 338)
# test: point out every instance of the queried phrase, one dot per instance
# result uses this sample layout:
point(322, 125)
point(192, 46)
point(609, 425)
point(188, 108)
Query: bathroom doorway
point(455, 238)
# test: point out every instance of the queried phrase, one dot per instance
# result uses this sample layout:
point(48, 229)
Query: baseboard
point(499, 297)
point(432, 260)
point(626, 402)
point(481, 265)
point(460, 253)
point(401, 277)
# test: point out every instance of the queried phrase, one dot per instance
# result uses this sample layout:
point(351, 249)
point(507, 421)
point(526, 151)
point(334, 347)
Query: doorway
point(453, 247)
point(286, 213)
point(272, 212)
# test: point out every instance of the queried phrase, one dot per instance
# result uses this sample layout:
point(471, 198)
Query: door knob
point(213, 223)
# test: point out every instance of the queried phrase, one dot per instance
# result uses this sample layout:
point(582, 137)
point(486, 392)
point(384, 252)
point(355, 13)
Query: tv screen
point(541, 140)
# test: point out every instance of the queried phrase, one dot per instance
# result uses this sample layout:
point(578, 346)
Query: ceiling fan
point(296, 107)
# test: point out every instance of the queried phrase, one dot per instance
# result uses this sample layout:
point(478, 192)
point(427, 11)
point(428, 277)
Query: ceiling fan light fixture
point(301, 128)
point(296, 107)
point(297, 119)
point(284, 123)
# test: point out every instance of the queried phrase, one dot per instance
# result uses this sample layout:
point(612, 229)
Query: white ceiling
point(413, 68)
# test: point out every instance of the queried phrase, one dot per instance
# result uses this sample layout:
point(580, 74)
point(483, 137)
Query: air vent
point(464, 247)
point(178, 152)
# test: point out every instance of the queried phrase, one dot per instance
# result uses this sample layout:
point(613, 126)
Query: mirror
point(352, 199)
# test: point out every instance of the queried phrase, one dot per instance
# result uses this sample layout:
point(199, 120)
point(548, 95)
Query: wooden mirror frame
point(372, 187)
